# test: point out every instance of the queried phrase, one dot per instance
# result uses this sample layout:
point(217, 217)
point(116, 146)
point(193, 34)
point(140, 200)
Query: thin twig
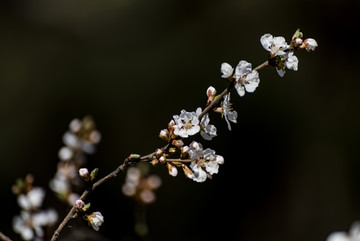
point(73, 211)
point(4, 237)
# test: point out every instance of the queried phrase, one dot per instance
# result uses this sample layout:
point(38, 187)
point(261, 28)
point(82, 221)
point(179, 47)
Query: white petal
point(226, 70)
point(292, 62)
point(338, 236)
point(240, 89)
point(253, 81)
point(280, 72)
point(243, 68)
point(266, 41)
point(212, 167)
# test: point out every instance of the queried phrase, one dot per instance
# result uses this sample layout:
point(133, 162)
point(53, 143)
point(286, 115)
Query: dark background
point(292, 162)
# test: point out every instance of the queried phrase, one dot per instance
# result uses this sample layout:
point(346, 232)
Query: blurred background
point(292, 162)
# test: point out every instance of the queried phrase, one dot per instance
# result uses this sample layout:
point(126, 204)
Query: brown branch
point(73, 211)
point(4, 237)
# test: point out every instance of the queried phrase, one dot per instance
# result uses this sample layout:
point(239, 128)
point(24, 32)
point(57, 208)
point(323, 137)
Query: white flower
point(206, 131)
point(226, 70)
point(353, 235)
point(310, 44)
point(292, 61)
point(96, 219)
point(32, 200)
point(206, 162)
point(275, 45)
point(20, 226)
point(229, 115)
point(187, 124)
point(246, 78)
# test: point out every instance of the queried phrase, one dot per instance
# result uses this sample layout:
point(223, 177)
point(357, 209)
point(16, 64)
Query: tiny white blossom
point(206, 162)
point(275, 45)
point(96, 219)
point(246, 78)
point(226, 70)
point(207, 131)
point(229, 115)
point(353, 235)
point(186, 124)
point(65, 153)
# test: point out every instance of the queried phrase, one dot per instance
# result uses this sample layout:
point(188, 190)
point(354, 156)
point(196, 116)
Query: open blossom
point(186, 124)
point(206, 162)
point(32, 200)
point(96, 219)
point(246, 78)
point(206, 131)
point(275, 45)
point(290, 61)
point(227, 111)
point(353, 235)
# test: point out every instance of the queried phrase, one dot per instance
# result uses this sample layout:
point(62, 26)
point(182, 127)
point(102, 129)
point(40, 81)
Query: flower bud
point(309, 44)
point(172, 150)
point(162, 159)
point(172, 170)
point(158, 153)
point(178, 143)
point(154, 162)
point(184, 152)
point(164, 134)
point(84, 173)
point(79, 204)
point(210, 92)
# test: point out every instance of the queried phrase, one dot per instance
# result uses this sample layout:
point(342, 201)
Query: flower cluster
point(281, 55)
point(79, 140)
point(204, 163)
point(140, 186)
point(32, 220)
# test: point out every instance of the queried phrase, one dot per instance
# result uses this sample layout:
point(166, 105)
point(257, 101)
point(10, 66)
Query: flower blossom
point(275, 45)
point(96, 219)
point(186, 124)
point(32, 200)
point(205, 164)
point(246, 78)
point(227, 111)
point(353, 235)
point(206, 131)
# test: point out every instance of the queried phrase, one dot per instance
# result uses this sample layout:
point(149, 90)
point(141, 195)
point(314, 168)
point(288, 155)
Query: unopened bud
point(210, 92)
point(84, 173)
point(164, 134)
point(184, 152)
point(154, 162)
point(79, 204)
point(309, 44)
point(162, 159)
point(158, 153)
point(178, 143)
point(172, 170)
point(172, 150)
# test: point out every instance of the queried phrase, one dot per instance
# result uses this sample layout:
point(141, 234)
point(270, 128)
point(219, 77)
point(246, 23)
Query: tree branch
point(4, 237)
